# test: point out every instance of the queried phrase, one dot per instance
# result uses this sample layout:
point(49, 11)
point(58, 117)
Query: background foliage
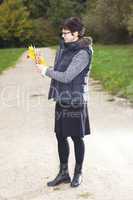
point(23, 22)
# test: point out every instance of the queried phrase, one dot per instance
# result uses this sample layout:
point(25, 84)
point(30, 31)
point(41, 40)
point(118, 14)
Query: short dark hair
point(74, 24)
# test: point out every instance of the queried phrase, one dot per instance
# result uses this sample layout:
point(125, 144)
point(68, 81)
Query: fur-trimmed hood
point(82, 43)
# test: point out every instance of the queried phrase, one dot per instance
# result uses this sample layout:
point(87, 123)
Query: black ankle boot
point(77, 178)
point(62, 176)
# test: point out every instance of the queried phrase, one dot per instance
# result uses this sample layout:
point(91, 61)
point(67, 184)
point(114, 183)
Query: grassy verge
point(113, 66)
point(9, 57)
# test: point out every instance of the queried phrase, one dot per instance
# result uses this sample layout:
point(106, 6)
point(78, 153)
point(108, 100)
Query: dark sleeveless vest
point(74, 91)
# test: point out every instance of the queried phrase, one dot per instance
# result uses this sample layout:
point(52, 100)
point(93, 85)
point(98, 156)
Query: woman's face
point(68, 36)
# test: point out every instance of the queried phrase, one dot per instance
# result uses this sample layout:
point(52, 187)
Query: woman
point(68, 89)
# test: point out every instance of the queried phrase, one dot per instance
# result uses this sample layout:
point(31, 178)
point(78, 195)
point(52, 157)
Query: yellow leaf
point(31, 52)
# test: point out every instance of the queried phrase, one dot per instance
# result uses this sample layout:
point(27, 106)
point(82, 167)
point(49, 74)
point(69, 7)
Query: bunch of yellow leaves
point(34, 55)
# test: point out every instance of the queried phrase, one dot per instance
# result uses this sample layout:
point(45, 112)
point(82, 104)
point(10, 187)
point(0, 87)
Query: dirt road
point(28, 154)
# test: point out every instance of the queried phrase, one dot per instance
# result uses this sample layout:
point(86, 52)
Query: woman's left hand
point(41, 68)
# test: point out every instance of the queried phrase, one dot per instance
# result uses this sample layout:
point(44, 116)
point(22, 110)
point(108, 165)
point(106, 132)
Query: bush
point(15, 25)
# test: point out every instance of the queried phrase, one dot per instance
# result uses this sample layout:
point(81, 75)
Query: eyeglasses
point(65, 33)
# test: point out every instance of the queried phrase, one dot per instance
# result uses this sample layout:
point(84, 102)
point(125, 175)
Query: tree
point(15, 25)
point(47, 16)
point(108, 19)
point(61, 9)
point(43, 34)
point(130, 21)
point(37, 8)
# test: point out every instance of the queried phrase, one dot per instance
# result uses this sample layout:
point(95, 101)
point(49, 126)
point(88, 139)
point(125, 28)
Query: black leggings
point(63, 148)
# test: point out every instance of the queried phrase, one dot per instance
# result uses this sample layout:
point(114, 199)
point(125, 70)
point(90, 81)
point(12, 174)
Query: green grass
point(54, 47)
point(9, 57)
point(113, 66)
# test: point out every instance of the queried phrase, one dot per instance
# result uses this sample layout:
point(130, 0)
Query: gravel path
point(28, 154)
